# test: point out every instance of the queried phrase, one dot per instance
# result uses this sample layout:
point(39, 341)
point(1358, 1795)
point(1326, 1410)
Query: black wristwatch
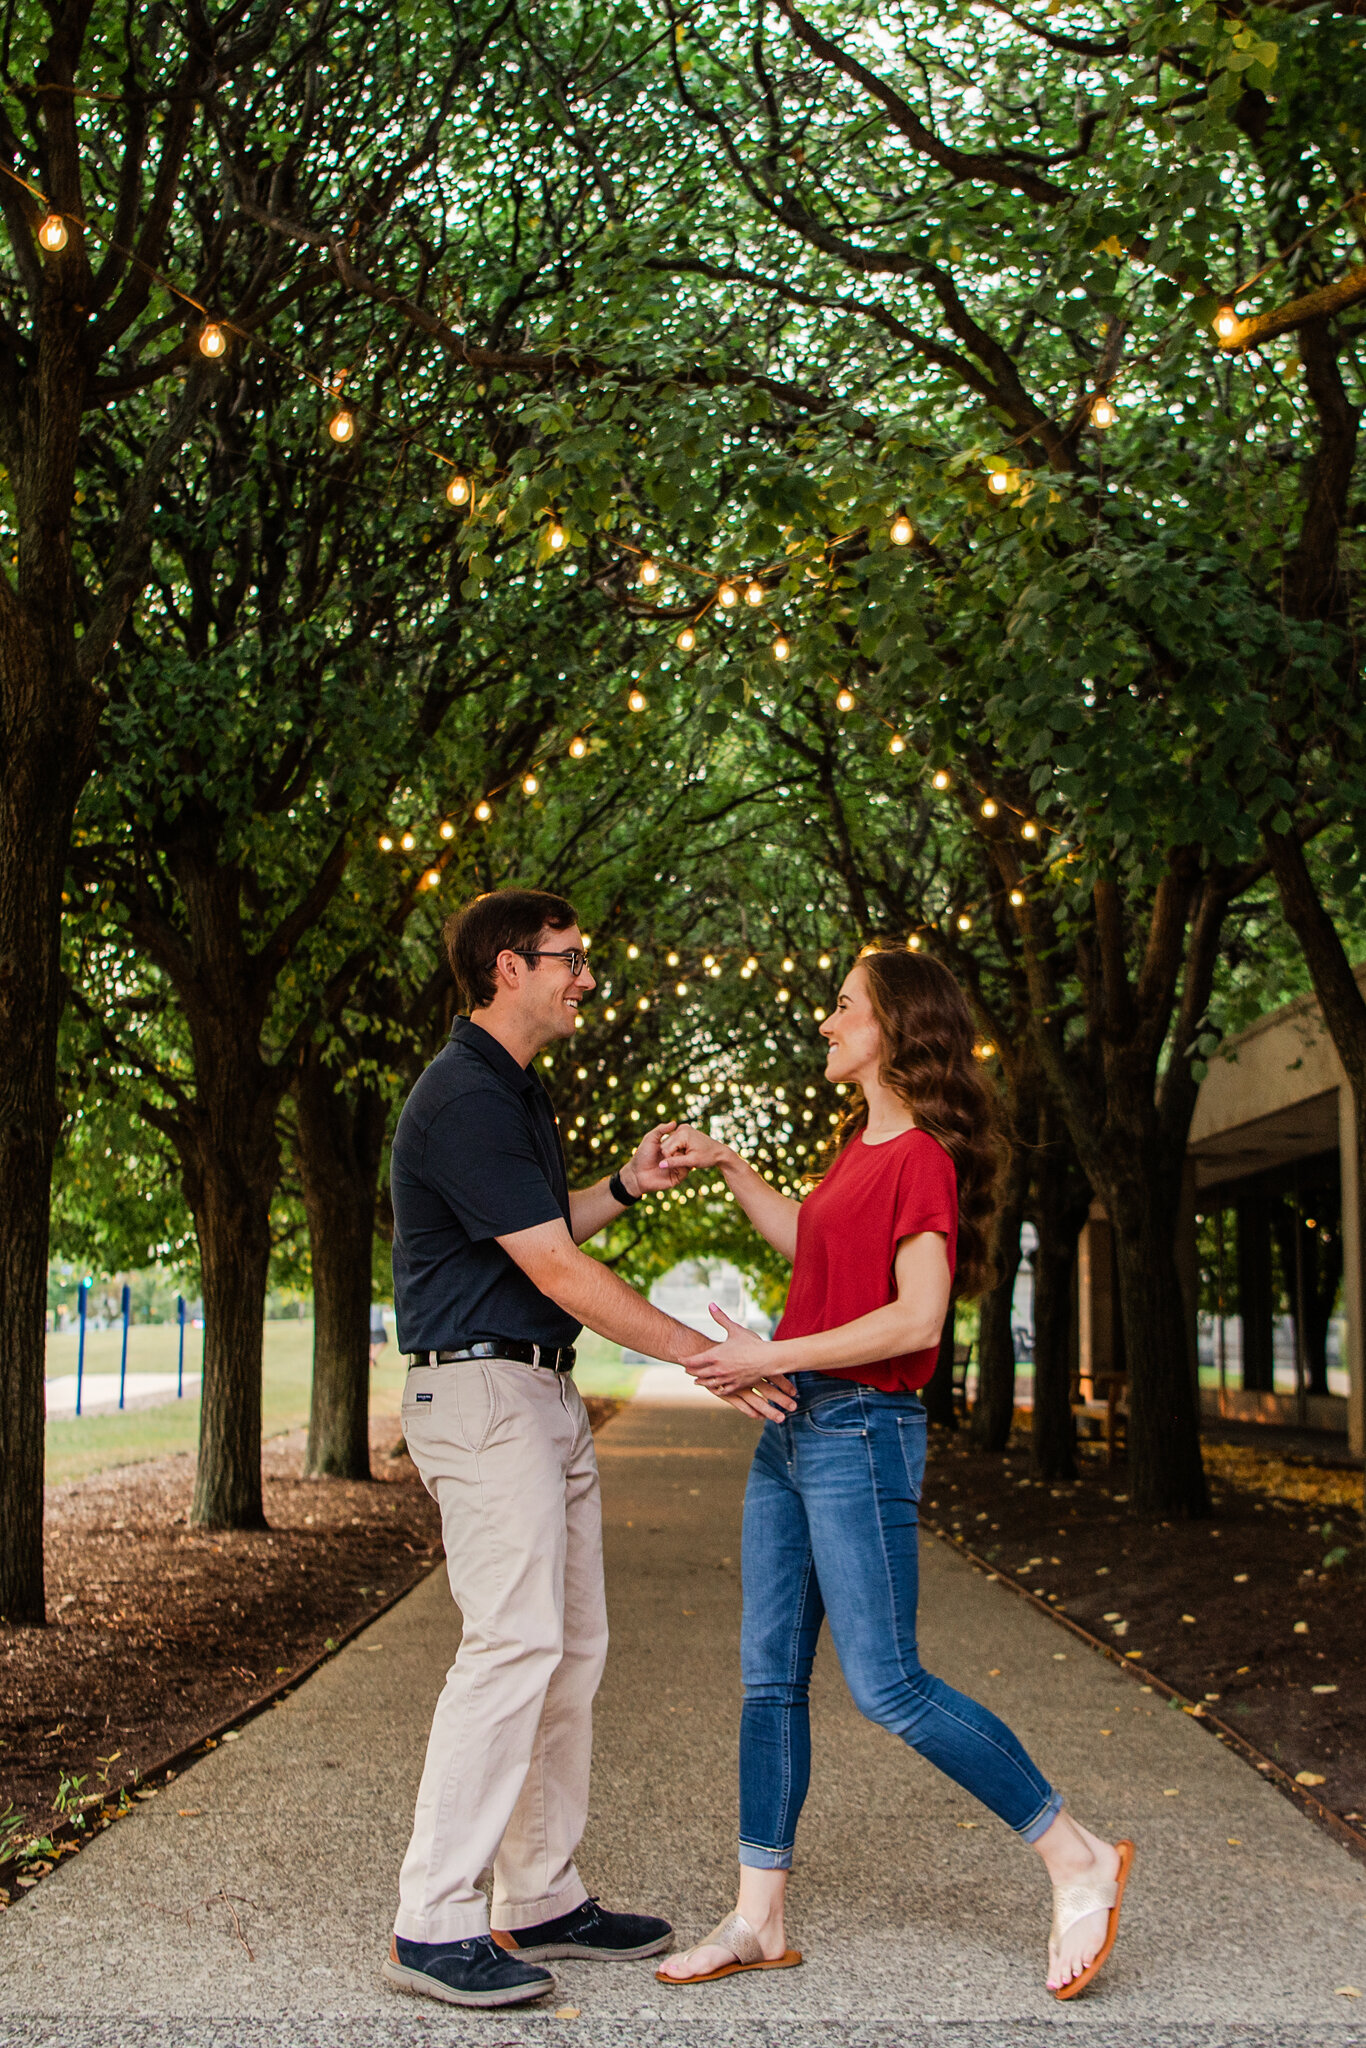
point(616, 1188)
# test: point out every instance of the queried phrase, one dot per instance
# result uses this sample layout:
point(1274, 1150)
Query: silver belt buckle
point(536, 1354)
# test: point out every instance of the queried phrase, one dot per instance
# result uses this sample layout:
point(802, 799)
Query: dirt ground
point(1256, 1612)
point(158, 1633)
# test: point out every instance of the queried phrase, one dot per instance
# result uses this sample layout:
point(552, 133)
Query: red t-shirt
point(848, 1231)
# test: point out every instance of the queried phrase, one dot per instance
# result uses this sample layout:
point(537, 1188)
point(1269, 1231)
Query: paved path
point(923, 1922)
point(100, 1392)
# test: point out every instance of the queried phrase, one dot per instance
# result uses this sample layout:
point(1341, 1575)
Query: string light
point(680, 988)
point(687, 639)
point(727, 595)
point(386, 844)
point(782, 995)
point(781, 648)
point(447, 829)
point(649, 570)
point(407, 842)
point(1029, 830)
point(824, 960)
point(578, 747)
point(709, 960)
point(458, 491)
point(750, 964)
point(636, 700)
point(985, 1050)
point(896, 745)
point(903, 533)
point(671, 960)
point(52, 233)
point(633, 952)
point(431, 878)
point(964, 922)
point(940, 778)
point(845, 699)
point(715, 972)
point(1226, 323)
point(1103, 411)
point(529, 785)
point(788, 966)
point(644, 1003)
point(342, 426)
point(1017, 897)
point(989, 807)
point(913, 943)
point(213, 342)
point(483, 812)
point(754, 593)
point(998, 483)
point(556, 535)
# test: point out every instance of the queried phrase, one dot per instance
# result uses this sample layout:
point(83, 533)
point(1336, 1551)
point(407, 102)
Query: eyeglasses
point(574, 958)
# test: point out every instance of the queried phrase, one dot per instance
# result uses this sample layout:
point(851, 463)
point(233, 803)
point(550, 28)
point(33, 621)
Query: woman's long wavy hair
point(928, 1059)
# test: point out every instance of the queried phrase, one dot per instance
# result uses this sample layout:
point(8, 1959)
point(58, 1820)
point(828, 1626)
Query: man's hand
point(647, 1171)
point(688, 1147)
point(740, 1368)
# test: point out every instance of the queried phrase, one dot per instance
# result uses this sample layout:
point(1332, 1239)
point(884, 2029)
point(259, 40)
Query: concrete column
point(1352, 1250)
point(1188, 1270)
point(1095, 1299)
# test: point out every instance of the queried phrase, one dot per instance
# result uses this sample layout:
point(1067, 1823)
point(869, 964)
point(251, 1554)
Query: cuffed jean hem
point(1043, 1819)
point(445, 1924)
point(754, 1858)
point(530, 1914)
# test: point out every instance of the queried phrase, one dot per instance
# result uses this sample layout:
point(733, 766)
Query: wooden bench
point(1106, 1412)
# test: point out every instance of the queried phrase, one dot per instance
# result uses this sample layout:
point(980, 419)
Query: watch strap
point(616, 1188)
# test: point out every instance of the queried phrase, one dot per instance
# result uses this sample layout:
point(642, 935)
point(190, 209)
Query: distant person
point(831, 1509)
point(379, 1335)
point(491, 1290)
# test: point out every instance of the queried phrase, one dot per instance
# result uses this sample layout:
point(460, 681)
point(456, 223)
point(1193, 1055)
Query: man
point(491, 1291)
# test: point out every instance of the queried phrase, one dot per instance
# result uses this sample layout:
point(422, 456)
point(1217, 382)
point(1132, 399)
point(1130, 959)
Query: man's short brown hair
point(504, 920)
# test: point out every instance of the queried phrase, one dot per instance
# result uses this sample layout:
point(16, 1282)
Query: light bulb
point(447, 829)
point(680, 988)
point(386, 844)
point(431, 878)
point(782, 995)
point(342, 426)
point(896, 745)
point(788, 966)
point(845, 700)
point(636, 700)
point(1017, 897)
point(998, 482)
point(985, 1049)
point(649, 570)
point(1226, 323)
point(715, 973)
point(819, 1016)
point(407, 842)
point(781, 648)
point(1103, 412)
point(671, 960)
point(913, 943)
point(824, 960)
point(754, 593)
point(1029, 831)
point(458, 491)
point(989, 807)
point(644, 1003)
point(940, 778)
point(529, 785)
point(709, 960)
point(52, 233)
point(903, 533)
point(687, 639)
point(212, 340)
point(633, 952)
point(578, 748)
point(964, 923)
point(483, 812)
point(727, 595)
point(610, 1014)
point(557, 535)
point(751, 964)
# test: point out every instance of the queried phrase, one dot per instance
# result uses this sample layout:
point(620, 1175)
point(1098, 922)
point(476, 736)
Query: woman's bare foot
point(1073, 1855)
point(760, 1903)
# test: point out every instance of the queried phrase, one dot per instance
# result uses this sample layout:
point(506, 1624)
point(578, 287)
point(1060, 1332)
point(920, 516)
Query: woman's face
point(852, 1033)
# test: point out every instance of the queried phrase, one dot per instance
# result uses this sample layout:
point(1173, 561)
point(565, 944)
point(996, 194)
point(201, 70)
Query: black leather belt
point(550, 1357)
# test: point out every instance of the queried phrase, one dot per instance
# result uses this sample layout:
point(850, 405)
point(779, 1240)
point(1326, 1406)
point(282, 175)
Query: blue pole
point(180, 1371)
point(82, 1296)
point(123, 1360)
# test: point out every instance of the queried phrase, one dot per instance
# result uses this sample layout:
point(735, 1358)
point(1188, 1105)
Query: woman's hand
point(741, 1363)
point(687, 1148)
point(649, 1170)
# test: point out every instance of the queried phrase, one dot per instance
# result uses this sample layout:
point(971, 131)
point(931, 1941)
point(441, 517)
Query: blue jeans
point(831, 1529)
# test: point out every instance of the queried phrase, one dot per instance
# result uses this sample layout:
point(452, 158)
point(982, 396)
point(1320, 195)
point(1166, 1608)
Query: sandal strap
point(1072, 1902)
point(735, 1934)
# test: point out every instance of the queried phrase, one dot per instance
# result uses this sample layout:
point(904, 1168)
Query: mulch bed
point(158, 1633)
point(1255, 1614)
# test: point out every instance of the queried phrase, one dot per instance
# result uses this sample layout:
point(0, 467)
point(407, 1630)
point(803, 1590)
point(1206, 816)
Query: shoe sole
point(419, 1985)
point(566, 1951)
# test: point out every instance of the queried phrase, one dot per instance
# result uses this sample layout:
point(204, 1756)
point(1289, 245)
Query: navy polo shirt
point(476, 1156)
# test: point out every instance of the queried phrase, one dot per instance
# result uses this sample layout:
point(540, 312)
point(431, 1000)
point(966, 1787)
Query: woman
point(831, 1506)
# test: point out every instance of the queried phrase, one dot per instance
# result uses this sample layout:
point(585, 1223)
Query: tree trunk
point(1062, 1197)
point(233, 1227)
point(937, 1393)
point(1166, 1476)
point(994, 1410)
point(37, 799)
point(340, 1140)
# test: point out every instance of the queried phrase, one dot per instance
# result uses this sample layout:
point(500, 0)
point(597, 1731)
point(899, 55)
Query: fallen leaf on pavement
point(566, 2012)
point(1309, 1778)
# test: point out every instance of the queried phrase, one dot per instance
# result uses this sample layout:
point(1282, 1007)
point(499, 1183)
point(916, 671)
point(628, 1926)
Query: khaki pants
point(506, 1452)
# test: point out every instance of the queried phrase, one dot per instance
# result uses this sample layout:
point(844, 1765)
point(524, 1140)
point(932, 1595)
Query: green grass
point(92, 1443)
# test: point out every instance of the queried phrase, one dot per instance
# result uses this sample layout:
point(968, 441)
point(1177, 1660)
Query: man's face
point(550, 991)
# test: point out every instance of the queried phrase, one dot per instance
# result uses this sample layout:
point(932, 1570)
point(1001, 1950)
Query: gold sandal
point(1072, 1902)
point(739, 1937)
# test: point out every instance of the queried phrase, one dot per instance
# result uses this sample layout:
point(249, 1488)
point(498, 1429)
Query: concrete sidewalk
point(923, 1922)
